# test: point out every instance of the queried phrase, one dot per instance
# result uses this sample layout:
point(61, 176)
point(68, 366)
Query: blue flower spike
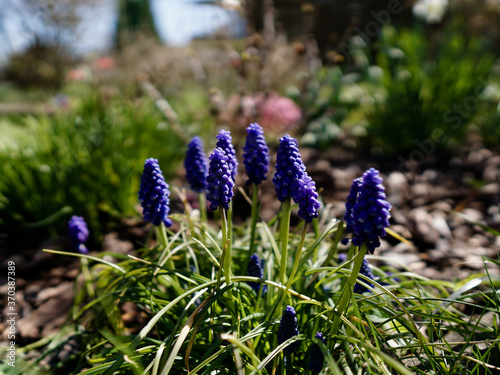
point(349, 206)
point(224, 142)
point(307, 199)
point(196, 165)
point(316, 357)
point(289, 169)
point(370, 214)
point(288, 328)
point(255, 155)
point(154, 194)
point(78, 233)
point(364, 270)
point(220, 184)
point(256, 269)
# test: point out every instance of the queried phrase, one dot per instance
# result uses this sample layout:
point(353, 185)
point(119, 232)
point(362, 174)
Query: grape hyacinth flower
point(224, 142)
point(288, 328)
point(154, 194)
point(316, 357)
point(220, 185)
point(78, 233)
point(349, 206)
point(196, 165)
point(256, 269)
point(289, 169)
point(307, 199)
point(364, 270)
point(370, 214)
point(256, 155)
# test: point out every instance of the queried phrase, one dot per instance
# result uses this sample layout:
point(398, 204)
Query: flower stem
point(203, 207)
point(296, 262)
point(161, 232)
point(297, 257)
point(255, 214)
point(286, 208)
point(347, 290)
point(226, 253)
point(226, 249)
point(229, 218)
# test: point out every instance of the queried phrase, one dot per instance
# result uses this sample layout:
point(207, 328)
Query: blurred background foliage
point(86, 161)
point(77, 128)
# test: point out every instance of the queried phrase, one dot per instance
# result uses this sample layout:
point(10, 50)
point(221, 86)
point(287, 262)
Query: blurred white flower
point(491, 93)
point(351, 94)
point(431, 11)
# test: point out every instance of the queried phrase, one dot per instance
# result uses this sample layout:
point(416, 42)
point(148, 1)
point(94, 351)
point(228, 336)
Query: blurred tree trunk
point(134, 20)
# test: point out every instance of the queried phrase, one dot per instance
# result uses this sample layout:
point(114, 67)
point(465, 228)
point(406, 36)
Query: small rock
point(397, 187)
point(491, 173)
point(441, 206)
point(423, 223)
point(432, 175)
point(421, 189)
point(439, 223)
point(403, 248)
point(343, 178)
point(490, 189)
point(473, 261)
point(472, 214)
point(402, 231)
point(475, 158)
point(53, 292)
point(398, 217)
point(49, 317)
point(418, 266)
point(112, 243)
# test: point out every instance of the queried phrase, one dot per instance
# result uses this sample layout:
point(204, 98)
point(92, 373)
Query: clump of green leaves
point(422, 90)
point(195, 321)
point(433, 85)
point(406, 324)
point(85, 161)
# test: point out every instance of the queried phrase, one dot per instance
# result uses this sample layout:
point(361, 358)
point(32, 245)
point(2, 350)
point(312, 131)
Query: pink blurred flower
point(79, 75)
point(279, 113)
point(104, 63)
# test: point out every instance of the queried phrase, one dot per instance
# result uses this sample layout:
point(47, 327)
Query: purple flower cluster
point(78, 233)
point(289, 169)
point(196, 165)
point(256, 269)
point(224, 142)
point(288, 328)
point(154, 194)
point(316, 357)
point(220, 184)
point(292, 180)
point(256, 155)
point(364, 270)
point(349, 204)
point(369, 216)
point(307, 199)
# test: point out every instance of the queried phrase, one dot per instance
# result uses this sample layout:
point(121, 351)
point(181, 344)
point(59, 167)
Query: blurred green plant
point(86, 161)
point(432, 85)
point(424, 86)
point(489, 114)
point(41, 65)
